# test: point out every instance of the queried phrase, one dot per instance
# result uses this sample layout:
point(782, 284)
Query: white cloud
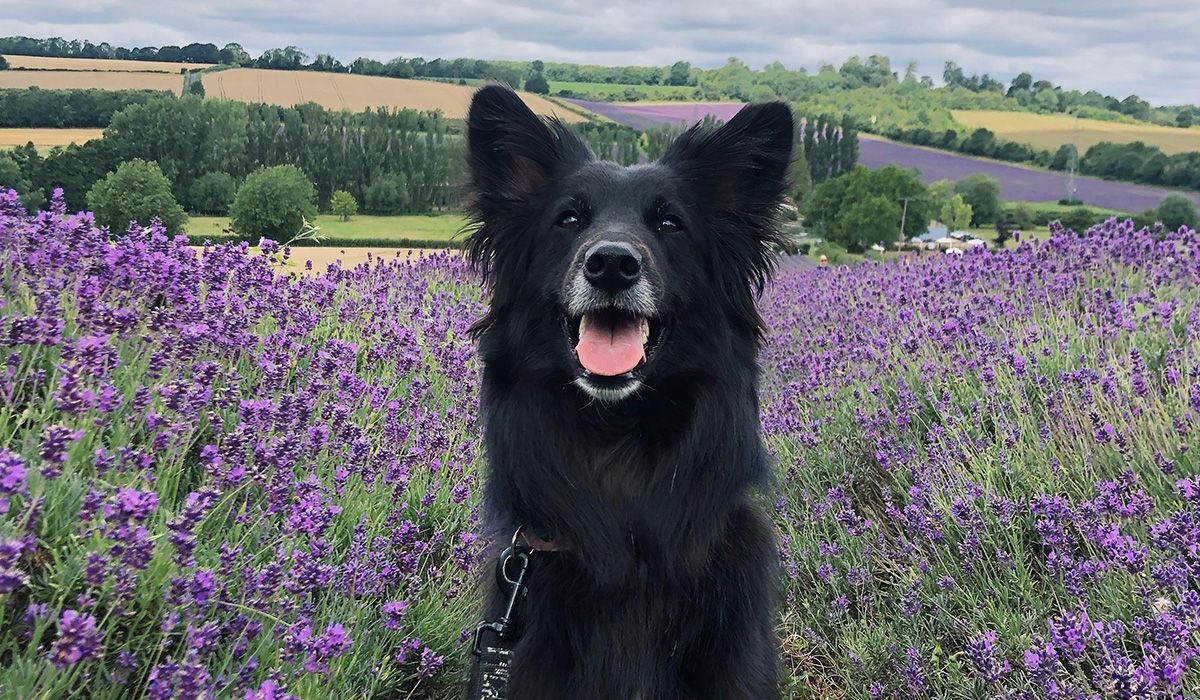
point(1115, 46)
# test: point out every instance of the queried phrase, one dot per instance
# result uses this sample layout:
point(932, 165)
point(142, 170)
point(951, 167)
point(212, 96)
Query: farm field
point(103, 80)
point(1016, 182)
point(99, 64)
point(360, 226)
point(988, 470)
point(47, 138)
point(1049, 131)
point(619, 91)
point(354, 92)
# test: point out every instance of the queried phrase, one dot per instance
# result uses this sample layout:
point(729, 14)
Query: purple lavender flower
point(78, 639)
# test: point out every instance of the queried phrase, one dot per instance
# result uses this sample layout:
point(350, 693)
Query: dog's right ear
point(513, 153)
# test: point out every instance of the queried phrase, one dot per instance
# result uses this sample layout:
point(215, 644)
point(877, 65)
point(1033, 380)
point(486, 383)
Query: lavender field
point(223, 479)
point(1016, 183)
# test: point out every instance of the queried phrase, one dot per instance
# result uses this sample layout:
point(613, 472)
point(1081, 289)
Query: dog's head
point(613, 278)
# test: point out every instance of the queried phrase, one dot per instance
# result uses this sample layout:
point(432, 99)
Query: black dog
point(620, 404)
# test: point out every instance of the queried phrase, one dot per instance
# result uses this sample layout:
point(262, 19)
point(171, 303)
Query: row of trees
point(733, 80)
point(57, 109)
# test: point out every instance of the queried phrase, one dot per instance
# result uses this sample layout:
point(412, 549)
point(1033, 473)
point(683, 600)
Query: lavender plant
point(221, 479)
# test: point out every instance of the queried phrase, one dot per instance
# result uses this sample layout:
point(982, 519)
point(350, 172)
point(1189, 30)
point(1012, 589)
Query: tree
point(1176, 210)
point(1004, 229)
point(801, 180)
point(136, 191)
point(343, 205)
point(681, 72)
point(867, 221)
point(212, 193)
point(1066, 156)
point(864, 206)
point(1185, 118)
point(956, 214)
point(274, 203)
point(3, 63)
point(982, 192)
point(196, 86)
point(387, 195)
point(537, 84)
point(12, 178)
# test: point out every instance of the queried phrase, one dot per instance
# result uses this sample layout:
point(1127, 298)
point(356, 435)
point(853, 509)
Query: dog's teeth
point(645, 331)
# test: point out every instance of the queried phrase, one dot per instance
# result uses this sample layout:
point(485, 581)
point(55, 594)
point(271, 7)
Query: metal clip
point(515, 586)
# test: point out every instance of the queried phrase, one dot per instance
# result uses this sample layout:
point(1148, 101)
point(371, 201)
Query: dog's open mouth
point(613, 343)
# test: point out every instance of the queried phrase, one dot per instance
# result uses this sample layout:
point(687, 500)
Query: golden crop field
point(354, 92)
point(1050, 131)
point(47, 138)
point(104, 80)
point(99, 64)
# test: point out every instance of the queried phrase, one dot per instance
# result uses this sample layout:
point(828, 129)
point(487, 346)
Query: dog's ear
point(512, 155)
point(513, 152)
point(738, 174)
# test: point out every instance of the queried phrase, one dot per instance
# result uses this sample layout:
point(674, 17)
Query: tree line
point(734, 80)
point(34, 107)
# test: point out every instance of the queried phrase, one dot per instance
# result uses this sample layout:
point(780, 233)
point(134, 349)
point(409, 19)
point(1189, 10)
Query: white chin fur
point(606, 394)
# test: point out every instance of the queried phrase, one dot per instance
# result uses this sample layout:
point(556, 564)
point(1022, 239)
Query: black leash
point(495, 640)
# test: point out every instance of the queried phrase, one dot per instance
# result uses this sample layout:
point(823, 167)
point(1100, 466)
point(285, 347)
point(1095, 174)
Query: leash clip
point(516, 590)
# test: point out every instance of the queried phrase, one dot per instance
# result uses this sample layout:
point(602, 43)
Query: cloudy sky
point(1147, 47)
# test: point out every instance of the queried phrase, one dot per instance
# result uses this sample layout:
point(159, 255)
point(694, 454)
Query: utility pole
point(903, 215)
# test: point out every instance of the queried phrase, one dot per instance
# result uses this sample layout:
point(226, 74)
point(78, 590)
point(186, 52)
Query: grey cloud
point(1115, 46)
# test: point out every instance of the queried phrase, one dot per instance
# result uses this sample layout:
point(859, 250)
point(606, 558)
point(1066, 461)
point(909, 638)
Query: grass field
point(618, 92)
point(47, 138)
point(77, 79)
point(1050, 131)
point(99, 64)
point(354, 92)
point(361, 226)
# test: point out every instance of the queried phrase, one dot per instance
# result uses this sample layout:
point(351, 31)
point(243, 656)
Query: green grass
point(619, 92)
point(360, 227)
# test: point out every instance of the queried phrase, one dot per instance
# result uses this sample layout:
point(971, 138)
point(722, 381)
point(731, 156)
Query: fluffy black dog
point(620, 404)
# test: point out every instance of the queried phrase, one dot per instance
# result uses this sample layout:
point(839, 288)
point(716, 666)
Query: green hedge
point(199, 239)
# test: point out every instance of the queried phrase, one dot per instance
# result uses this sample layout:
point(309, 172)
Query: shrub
point(273, 202)
point(343, 205)
point(136, 191)
point(982, 192)
point(212, 193)
point(1176, 210)
point(387, 195)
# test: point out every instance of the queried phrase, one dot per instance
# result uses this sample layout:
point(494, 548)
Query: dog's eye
point(568, 220)
point(669, 224)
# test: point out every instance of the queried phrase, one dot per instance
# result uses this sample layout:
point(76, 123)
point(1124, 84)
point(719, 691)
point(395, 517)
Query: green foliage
point(1066, 156)
point(196, 87)
point(12, 178)
point(273, 203)
point(982, 193)
point(3, 63)
point(680, 73)
point(387, 195)
point(136, 191)
point(537, 84)
point(1080, 219)
point(1185, 118)
point(864, 207)
point(1021, 217)
point(1176, 210)
point(1004, 229)
point(343, 205)
point(956, 214)
point(60, 109)
point(801, 179)
point(212, 193)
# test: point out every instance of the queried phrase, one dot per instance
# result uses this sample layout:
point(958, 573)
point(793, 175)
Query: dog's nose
point(612, 266)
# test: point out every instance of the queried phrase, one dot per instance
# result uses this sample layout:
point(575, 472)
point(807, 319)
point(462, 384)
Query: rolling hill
point(1017, 183)
point(1050, 131)
point(99, 64)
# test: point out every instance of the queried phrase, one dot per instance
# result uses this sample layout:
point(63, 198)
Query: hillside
point(354, 92)
point(1050, 131)
point(99, 64)
point(1017, 183)
point(100, 79)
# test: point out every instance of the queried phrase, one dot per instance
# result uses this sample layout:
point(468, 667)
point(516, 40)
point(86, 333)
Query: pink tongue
point(609, 350)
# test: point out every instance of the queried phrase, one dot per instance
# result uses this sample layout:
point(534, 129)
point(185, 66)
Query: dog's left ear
point(739, 171)
point(742, 166)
